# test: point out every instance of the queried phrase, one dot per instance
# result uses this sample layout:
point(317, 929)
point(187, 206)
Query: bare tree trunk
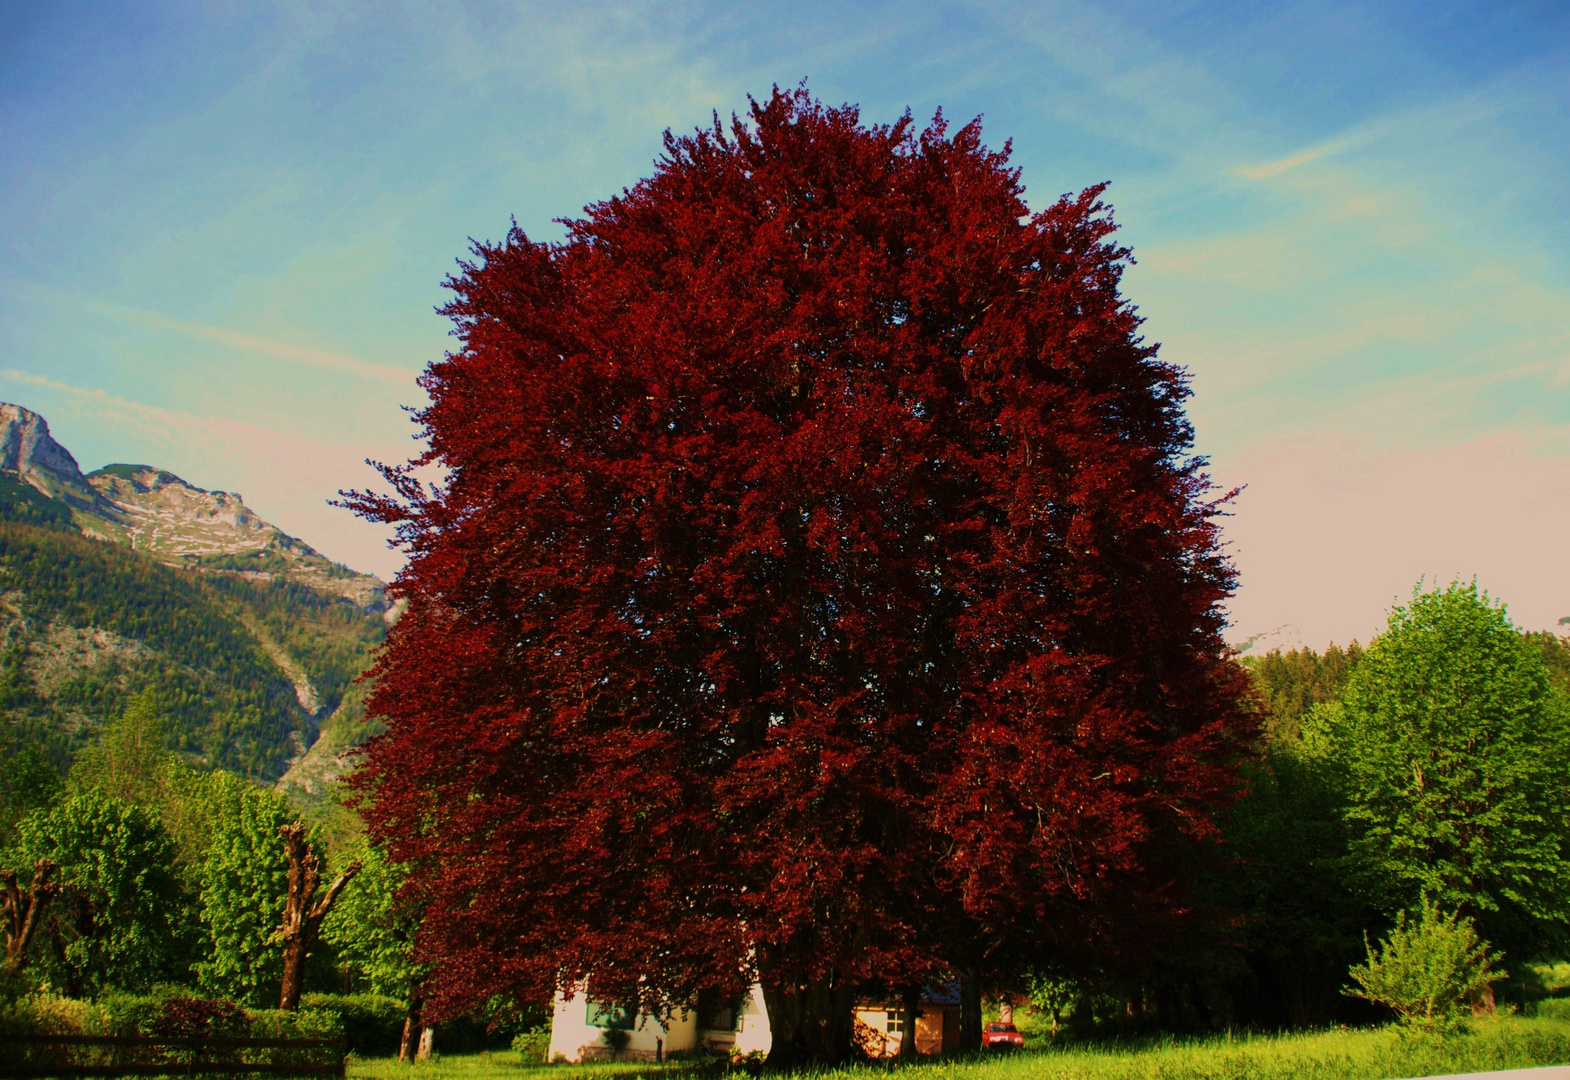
point(302, 920)
point(411, 1025)
point(427, 1044)
point(24, 909)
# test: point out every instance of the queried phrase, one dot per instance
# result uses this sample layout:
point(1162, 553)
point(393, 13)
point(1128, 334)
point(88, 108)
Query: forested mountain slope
point(130, 578)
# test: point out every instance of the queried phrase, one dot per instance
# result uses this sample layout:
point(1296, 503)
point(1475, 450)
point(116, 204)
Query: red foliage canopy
point(821, 589)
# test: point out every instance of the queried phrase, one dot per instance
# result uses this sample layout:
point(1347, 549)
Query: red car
point(1002, 1037)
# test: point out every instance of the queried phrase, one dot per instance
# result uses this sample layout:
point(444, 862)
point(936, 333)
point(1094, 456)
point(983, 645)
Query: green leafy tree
point(131, 761)
point(129, 758)
point(373, 929)
point(1455, 748)
point(28, 784)
point(1296, 880)
point(1428, 969)
point(1053, 994)
point(1555, 651)
point(123, 919)
point(245, 881)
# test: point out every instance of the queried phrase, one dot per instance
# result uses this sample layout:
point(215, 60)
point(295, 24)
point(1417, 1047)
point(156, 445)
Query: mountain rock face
point(179, 524)
point(28, 450)
point(156, 512)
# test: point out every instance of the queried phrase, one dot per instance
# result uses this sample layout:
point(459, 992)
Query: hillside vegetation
point(87, 626)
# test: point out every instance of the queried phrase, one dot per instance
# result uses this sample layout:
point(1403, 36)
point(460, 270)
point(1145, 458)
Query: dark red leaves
point(820, 576)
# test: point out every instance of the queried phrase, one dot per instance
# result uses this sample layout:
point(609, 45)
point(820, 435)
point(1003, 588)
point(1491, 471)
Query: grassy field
point(1507, 1043)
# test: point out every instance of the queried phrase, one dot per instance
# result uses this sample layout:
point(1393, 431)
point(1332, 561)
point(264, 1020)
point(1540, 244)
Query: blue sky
point(223, 229)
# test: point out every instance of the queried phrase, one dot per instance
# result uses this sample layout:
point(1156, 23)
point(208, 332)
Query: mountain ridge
point(130, 577)
point(157, 512)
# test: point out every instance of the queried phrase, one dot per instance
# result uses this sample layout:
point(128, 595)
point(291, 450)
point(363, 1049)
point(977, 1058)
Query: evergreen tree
point(1292, 683)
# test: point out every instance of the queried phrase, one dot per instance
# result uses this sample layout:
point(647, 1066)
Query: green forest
point(194, 636)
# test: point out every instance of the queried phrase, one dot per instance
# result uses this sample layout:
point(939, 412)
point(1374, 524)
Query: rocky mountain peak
point(164, 516)
point(28, 450)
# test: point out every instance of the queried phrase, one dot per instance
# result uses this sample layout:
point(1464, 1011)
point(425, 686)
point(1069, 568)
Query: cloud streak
point(279, 350)
point(1269, 170)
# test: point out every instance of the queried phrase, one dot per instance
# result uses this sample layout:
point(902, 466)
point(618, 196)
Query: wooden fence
point(24, 1057)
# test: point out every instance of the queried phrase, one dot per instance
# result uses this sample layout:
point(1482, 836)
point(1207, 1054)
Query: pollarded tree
point(821, 590)
point(1456, 746)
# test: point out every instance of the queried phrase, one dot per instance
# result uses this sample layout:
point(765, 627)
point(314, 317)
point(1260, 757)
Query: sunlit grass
point(1505, 1043)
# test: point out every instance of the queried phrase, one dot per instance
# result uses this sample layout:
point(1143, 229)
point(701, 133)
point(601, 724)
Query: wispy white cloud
point(278, 350)
point(1268, 170)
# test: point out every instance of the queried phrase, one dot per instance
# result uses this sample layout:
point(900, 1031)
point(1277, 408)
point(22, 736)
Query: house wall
point(936, 1030)
point(752, 1033)
point(575, 1039)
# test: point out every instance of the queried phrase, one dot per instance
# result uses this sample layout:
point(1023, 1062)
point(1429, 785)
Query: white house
point(583, 1029)
point(586, 1030)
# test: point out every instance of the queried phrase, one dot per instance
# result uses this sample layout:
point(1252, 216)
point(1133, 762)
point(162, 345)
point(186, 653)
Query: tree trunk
point(969, 1012)
point(24, 909)
point(910, 1005)
point(811, 1024)
point(411, 1026)
point(1200, 1010)
point(302, 920)
point(427, 1045)
point(293, 972)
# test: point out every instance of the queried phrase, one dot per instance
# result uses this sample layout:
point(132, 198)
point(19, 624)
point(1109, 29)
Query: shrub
point(1552, 1009)
point(46, 1014)
point(1427, 969)
point(126, 1013)
point(373, 1023)
point(533, 1045)
point(198, 1018)
point(301, 1023)
point(617, 1039)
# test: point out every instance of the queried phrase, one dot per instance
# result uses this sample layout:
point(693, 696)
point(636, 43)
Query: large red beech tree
point(820, 590)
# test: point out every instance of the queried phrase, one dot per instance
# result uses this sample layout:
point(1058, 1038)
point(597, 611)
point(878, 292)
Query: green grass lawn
point(1505, 1043)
